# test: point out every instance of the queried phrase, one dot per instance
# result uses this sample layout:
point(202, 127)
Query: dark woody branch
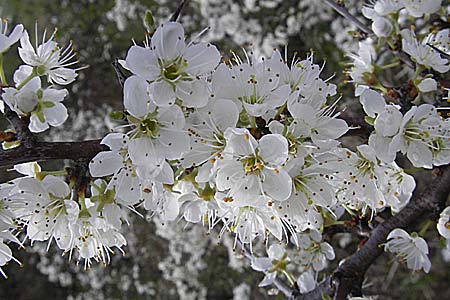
point(348, 277)
point(42, 151)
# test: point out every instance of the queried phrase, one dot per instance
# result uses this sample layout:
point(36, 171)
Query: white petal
point(136, 98)
point(143, 62)
point(389, 121)
point(143, 151)
point(168, 41)
point(36, 125)
point(171, 117)
point(427, 85)
point(225, 114)
point(276, 251)
point(261, 263)
point(273, 149)
point(240, 141)
point(372, 102)
point(201, 58)
point(420, 155)
point(105, 163)
point(172, 209)
point(54, 95)
point(56, 186)
point(277, 184)
point(115, 140)
point(306, 282)
point(162, 93)
point(227, 175)
point(268, 279)
point(174, 143)
point(56, 115)
point(29, 169)
point(193, 93)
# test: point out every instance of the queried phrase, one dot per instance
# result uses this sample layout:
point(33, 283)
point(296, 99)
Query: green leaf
point(10, 145)
point(117, 115)
point(369, 120)
point(149, 22)
point(326, 297)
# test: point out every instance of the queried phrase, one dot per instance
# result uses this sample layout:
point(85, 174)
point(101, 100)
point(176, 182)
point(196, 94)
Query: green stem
point(253, 121)
point(2, 72)
point(334, 223)
point(26, 80)
point(289, 277)
point(419, 70)
point(388, 66)
point(425, 227)
point(41, 175)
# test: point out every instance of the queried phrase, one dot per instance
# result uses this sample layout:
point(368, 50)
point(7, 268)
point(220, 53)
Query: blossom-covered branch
point(246, 145)
point(348, 277)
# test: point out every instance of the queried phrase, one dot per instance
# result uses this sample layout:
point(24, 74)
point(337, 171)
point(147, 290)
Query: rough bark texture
point(41, 151)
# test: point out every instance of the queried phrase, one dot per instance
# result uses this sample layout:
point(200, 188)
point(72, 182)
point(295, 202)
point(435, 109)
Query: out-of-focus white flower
point(417, 8)
point(412, 249)
point(314, 253)
point(306, 282)
point(272, 265)
point(381, 26)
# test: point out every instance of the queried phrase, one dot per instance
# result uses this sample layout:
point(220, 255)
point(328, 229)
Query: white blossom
point(412, 249)
point(48, 58)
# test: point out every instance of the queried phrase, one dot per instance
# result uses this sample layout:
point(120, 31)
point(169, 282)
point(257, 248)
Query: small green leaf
point(369, 120)
point(326, 297)
point(117, 115)
point(149, 22)
point(10, 145)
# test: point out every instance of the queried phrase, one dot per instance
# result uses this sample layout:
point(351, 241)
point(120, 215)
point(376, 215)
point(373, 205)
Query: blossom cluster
point(27, 96)
point(244, 144)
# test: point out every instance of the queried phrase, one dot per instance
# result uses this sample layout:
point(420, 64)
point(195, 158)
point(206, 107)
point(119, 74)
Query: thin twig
point(346, 14)
point(177, 13)
point(120, 75)
point(364, 28)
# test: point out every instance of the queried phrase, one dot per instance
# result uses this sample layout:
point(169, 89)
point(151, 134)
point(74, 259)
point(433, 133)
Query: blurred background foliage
point(174, 261)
